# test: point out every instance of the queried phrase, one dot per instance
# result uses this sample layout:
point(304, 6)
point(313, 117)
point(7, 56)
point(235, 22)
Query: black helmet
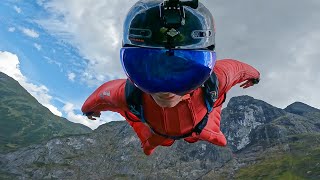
point(171, 24)
point(168, 46)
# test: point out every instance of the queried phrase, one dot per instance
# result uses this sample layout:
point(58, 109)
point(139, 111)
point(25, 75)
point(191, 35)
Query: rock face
point(242, 116)
point(280, 144)
point(112, 151)
point(264, 142)
point(24, 121)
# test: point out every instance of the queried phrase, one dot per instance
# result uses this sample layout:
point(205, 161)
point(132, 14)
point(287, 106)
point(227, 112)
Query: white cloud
point(40, 2)
point(37, 46)
point(287, 60)
point(10, 65)
point(11, 29)
point(95, 29)
point(17, 9)
point(50, 61)
point(262, 39)
point(53, 109)
point(71, 76)
point(30, 32)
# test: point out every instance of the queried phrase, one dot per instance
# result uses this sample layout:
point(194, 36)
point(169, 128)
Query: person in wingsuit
point(175, 86)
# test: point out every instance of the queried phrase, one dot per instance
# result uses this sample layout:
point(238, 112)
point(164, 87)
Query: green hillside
point(24, 121)
point(296, 160)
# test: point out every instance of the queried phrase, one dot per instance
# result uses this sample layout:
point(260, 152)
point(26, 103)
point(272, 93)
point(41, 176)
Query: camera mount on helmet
point(172, 12)
point(173, 16)
point(169, 24)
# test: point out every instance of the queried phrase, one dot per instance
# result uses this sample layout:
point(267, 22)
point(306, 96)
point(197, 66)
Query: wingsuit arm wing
point(111, 97)
point(108, 97)
point(231, 72)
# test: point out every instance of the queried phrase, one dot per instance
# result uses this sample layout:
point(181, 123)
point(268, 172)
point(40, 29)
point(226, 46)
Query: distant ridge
point(24, 121)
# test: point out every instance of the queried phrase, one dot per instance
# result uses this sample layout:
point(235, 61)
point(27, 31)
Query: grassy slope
point(24, 121)
point(300, 161)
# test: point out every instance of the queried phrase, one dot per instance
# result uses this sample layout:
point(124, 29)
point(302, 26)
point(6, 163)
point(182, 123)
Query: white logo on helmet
point(172, 32)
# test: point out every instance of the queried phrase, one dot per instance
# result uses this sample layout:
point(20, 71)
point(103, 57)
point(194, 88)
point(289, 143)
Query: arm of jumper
point(231, 72)
point(108, 97)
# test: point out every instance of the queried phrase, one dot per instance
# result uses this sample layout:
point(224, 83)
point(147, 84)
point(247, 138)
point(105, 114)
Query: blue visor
point(161, 70)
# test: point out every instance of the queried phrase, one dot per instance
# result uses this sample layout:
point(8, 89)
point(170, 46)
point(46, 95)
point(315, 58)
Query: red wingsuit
point(178, 120)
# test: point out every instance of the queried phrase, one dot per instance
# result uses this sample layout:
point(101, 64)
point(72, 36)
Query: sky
point(61, 51)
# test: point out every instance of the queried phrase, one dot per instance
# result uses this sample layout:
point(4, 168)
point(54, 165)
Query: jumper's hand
point(93, 115)
point(249, 83)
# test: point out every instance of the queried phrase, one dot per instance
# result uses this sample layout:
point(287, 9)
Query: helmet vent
point(140, 33)
point(199, 34)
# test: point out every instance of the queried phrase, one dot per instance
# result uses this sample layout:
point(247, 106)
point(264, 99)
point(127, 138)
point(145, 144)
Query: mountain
point(265, 142)
point(243, 115)
point(287, 147)
point(24, 121)
point(112, 151)
point(300, 108)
